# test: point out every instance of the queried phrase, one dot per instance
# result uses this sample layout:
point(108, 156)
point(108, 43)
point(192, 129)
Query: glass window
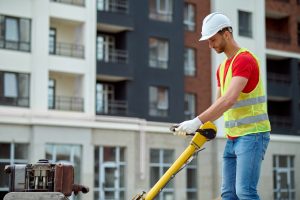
point(110, 173)
point(11, 153)
point(65, 153)
point(10, 85)
point(189, 62)
point(15, 33)
point(191, 180)
point(160, 162)
point(51, 93)
point(284, 177)
point(190, 106)
point(14, 89)
point(245, 23)
point(158, 53)
point(158, 101)
point(161, 10)
point(11, 30)
point(52, 41)
point(189, 17)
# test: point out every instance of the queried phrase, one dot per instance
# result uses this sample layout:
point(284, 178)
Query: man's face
point(217, 42)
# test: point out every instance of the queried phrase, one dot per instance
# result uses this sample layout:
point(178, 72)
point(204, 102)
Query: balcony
point(279, 85)
point(116, 6)
point(112, 60)
point(65, 103)
point(71, 2)
point(112, 107)
point(113, 16)
point(65, 92)
point(278, 37)
point(66, 49)
point(66, 38)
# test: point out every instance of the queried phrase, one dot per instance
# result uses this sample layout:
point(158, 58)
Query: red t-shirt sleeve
point(245, 65)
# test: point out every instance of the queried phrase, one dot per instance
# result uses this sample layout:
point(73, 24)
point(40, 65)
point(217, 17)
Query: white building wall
point(256, 44)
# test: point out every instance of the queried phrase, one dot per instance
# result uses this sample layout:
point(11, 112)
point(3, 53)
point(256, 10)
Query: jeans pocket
point(265, 143)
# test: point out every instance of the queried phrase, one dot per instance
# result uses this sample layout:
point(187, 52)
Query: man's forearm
point(216, 110)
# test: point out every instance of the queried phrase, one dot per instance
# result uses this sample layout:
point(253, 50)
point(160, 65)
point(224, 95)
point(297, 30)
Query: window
point(159, 101)
point(15, 33)
point(11, 153)
point(107, 51)
point(52, 41)
point(14, 89)
point(66, 153)
point(160, 161)
point(245, 23)
point(191, 180)
point(284, 177)
point(190, 106)
point(51, 94)
point(110, 173)
point(189, 17)
point(105, 93)
point(161, 10)
point(189, 62)
point(158, 53)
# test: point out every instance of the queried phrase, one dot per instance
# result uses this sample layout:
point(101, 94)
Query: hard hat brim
point(206, 37)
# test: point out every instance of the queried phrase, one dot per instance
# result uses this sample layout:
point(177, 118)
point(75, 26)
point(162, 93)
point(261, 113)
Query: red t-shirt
point(244, 65)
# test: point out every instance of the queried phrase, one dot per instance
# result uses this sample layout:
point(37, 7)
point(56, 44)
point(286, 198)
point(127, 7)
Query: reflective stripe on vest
point(247, 120)
point(248, 102)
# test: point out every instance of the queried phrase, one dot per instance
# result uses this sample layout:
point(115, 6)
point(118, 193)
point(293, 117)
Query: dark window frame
point(54, 40)
point(245, 29)
point(4, 43)
point(10, 101)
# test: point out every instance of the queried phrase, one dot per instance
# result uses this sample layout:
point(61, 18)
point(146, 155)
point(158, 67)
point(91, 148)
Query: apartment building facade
point(97, 84)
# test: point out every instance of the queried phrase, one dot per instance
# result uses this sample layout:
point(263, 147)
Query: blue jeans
point(241, 166)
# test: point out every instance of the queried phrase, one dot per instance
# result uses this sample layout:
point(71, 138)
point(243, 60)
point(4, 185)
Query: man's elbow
point(229, 102)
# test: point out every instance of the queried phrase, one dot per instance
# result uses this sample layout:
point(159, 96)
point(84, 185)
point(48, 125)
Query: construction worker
point(241, 99)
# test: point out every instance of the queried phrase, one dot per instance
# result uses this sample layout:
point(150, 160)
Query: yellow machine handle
point(206, 132)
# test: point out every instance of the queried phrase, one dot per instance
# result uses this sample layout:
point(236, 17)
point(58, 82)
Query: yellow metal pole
point(196, 143)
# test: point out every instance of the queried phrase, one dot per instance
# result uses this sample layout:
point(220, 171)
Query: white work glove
point(189, 126)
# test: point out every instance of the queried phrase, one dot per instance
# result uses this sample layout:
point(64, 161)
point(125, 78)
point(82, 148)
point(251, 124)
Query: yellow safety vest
point(249, 114)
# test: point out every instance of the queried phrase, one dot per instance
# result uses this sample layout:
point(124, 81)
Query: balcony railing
point(15, 45)
point(278, 37)
point(65, 103)
point(72, 2)
point(280, 121)
point(112, 107)
point(161, 16)
point(14, 101)
point(66, 49)
point(114, 56)
point(117, 6)
point(283, 1)
point(278, 78)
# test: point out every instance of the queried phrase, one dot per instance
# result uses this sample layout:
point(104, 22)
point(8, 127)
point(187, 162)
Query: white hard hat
point(213, 23)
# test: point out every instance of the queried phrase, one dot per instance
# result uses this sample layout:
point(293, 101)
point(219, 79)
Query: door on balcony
point(104, 95)
point(105, 47)
point(52, 41)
